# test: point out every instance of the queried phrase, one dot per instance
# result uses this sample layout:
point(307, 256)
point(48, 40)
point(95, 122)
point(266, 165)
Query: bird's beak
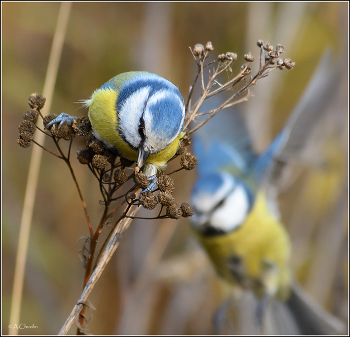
point(143, 155)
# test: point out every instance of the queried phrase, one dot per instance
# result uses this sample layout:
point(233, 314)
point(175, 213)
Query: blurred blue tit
point(137, 115)
point(236, 216)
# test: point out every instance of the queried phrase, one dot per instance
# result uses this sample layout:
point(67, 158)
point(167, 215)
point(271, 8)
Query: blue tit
point(236, 216)
point(139, 116)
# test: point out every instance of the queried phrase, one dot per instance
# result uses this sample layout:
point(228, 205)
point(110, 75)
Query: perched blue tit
point(236, 217)
point(137, 115)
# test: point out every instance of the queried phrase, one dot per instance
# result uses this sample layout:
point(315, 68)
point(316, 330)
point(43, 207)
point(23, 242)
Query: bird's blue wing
point(222, 141)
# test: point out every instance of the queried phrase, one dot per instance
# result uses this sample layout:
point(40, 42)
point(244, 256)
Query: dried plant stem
point(35, 161)
point(108, 250)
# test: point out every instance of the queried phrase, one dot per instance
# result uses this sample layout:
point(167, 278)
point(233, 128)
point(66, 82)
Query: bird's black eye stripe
point(142, 129)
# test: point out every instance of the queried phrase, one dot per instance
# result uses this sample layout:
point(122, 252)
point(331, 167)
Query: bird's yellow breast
point(261, 241)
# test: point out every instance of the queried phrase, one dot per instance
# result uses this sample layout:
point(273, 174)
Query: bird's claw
point(152, 186)
point(63, 118)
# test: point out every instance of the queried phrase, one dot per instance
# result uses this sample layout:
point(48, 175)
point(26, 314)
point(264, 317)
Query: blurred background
point(160, 281)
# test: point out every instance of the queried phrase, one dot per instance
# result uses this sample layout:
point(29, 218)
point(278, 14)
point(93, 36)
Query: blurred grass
point(104, 39)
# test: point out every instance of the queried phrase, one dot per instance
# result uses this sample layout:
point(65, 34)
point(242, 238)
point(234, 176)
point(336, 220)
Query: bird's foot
point(152, 186)
point(63, 118)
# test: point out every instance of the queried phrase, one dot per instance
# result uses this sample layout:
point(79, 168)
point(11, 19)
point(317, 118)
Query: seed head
point(148, 200)
point(174, 211)
point(94, 144)
point(260, 43)
point(248, 57)
point(289, 64)
point(23, 143)
point(209, 46)
point(65, 131)
point(27, 126)
point(198, 50)
point(31, 115)
point(120, 176)
point(36, 101)
point(231, 56)
point(165, 183)
point(185, 140)
point(141, 180)
point(84, 156)
point(165, 198)
point(186, 209)
point(188, 161)
point(47, 119)
point(267, 46)
point(81, 126)
point(100, 162)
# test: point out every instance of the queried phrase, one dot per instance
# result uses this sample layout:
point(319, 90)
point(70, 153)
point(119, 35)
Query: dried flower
point(141, 180)
point(248, 57)
point(188, 161)
point(65, 131)
point(120, 176)
point(85, 156)
point(31, 115)
point(47, 119)
point(174, 211)
point(198, 50)
point(209, 46)
point(81, 126)
point(36, 101)
point(289, 64)
point(165, 198)
point(99, 162)
point(231, 56)
point(185, 140)
point(148, 200)
point(186, 209)
point(23, 143)
point(165, 183)
point(267, 46)
point(260, 43)
point(27, 126)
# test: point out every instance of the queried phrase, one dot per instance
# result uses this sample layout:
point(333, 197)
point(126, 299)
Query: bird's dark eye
point(235, 260)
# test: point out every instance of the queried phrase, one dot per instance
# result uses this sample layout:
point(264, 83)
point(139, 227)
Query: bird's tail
point(310, 317)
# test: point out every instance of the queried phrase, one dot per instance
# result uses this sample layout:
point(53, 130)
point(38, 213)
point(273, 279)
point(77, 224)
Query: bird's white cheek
point(233, 212)
point(130, 115)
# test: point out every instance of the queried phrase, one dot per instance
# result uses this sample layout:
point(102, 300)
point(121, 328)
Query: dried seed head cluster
point(27, 127)
point(148, 200)
point(120, 176)
point(227, 57)
point(65, 132)
point(36, 101)
point(81, 126)
point(99, 161)
point(85, 156)
point(188, 161)
point(164, 197)
point(165, 183)
point(141, 180)
point(248, 57)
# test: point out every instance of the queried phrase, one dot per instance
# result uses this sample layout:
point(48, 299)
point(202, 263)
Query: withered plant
point(119, 183)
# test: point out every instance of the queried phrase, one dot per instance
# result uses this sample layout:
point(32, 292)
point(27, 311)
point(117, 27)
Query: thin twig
point(106, 255)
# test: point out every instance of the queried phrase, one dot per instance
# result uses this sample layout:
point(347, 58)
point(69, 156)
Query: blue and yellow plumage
point(236, 215)
point(137, 115)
